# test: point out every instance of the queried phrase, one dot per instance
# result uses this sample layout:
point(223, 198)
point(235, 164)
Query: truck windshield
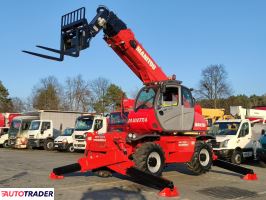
point(14, 128)
point(224, 128)
point(84, 123)
point(146, 98)
point(118, 118)
point(34, 125)
point(68, 132)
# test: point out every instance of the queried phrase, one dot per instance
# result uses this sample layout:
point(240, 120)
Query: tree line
point(214, 91)
point(100, 95)
point(75, 94)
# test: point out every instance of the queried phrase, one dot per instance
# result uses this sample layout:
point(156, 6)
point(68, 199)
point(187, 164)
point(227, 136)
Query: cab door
point(171, 111)
point(244, 140)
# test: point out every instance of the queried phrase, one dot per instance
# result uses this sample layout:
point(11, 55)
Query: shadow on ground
point(113, 193)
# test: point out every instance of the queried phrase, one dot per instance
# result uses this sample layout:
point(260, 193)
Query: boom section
point(76, 34)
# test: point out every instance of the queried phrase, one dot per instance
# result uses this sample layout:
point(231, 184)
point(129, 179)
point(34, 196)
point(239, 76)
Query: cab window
point(170, 97)
point(46, 125)
point(98, 124)
point(187, 99)
point(244, 130)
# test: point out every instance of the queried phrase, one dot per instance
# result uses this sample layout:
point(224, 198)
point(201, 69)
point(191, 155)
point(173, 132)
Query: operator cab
point(172, 103)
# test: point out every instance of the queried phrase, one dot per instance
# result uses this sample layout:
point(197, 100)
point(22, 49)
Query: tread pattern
point(142, 153)
point(195, 165)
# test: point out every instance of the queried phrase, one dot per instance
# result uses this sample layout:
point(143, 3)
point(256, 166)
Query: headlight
point(224, 144)
point(64, 140)
point(85, 135)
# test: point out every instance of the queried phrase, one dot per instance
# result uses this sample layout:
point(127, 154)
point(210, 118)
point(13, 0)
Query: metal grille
point(227, 192)
point(79, 137)
point(215, 144)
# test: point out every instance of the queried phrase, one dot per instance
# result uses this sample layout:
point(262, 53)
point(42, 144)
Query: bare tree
point(77, 94)
point(213, 84)
point(99, 88)
point(47, 94)
point(18, 105)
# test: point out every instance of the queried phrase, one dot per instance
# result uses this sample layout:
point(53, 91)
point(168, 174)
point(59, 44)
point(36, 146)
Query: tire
point(201, 161)
point(70, 148)
point(29, 147)
point(5, 144)
point(262, 163)
point(149, 157)
point(49, 145)
point(236, 157)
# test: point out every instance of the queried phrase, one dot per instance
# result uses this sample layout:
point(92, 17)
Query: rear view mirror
point(163, 88)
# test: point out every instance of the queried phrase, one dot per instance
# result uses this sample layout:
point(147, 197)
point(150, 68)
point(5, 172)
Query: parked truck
point(88, 124)
point(65, 141)
point(49, 126)
point(213, 114)
point(238, 139)
point(5, 121)
point(118, 119)
point(18, 132)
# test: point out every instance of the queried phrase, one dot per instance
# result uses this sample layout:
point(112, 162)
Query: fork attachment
point(76, 33)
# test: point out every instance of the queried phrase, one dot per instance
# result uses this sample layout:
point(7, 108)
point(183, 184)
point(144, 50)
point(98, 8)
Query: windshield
point(118, 118)
point(34, 125)
point(224, 128)
point(68, 132)
point(15, 126)
point(25, 125)
point(84, 124)
point(146, 98)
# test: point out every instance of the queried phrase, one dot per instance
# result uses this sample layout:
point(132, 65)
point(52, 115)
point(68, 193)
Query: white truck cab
point(4, 137)
point(65, 141)
point(233, 139)
point(85, 124)
point(42, 134)
point(236, 139)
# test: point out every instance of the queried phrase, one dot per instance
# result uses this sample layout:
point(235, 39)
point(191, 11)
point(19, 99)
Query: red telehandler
point(159, 125)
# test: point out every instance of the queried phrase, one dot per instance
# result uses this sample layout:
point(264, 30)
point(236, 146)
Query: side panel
point(177, 149)
point(60, 120)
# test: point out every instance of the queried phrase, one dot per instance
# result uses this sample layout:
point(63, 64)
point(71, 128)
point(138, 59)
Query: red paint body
point(6, 119)
point(112, 150)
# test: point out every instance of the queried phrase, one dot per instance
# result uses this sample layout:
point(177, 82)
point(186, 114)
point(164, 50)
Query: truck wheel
point(70, 148)
point(5, 145)
point(236, 157)
point(149, 157)
point(29, 147)
point(201, 161)
point(49, 145)
point(262, 164)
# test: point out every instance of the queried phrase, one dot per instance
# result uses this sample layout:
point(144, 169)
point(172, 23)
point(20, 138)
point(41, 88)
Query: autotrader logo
point(27, 193)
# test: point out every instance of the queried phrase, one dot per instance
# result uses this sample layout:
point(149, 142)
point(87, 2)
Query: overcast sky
point(183, 37)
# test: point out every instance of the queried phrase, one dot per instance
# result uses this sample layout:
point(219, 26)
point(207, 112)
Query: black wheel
point(70, 148)
point(262, 163)
point(201, 161)
point(49, 145)
point(149, 157)
point(29, 147)
point(236, 157)
point(5, 145)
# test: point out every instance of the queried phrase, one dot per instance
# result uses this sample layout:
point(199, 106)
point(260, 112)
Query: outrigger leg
point(124, 167)
point(249, 174)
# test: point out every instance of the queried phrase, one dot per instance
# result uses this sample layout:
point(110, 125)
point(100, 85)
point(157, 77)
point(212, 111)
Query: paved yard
point(24, 168)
